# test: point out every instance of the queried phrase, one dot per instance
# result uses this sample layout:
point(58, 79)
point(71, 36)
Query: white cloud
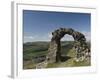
point(50, 35)
point(67, 38)
point(46, 37)
point(29, 37)
point(87, 35)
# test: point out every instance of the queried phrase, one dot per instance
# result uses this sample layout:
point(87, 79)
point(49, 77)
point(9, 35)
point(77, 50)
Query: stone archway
point(54, 51)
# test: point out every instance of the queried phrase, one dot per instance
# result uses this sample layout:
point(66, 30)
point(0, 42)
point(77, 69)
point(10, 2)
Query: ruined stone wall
point(54, 51)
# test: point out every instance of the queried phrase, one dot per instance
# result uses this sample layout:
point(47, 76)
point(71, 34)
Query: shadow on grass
point(65, 58)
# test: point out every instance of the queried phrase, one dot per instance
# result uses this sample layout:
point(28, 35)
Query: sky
point(38, 25)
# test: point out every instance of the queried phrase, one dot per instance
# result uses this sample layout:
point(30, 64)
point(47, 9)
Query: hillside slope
point(35, 52)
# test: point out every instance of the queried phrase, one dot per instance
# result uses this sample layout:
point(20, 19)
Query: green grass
point(28, 65)
point(41, 48)
point(70, 62)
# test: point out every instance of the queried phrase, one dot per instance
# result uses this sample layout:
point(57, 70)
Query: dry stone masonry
point(54, 51)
